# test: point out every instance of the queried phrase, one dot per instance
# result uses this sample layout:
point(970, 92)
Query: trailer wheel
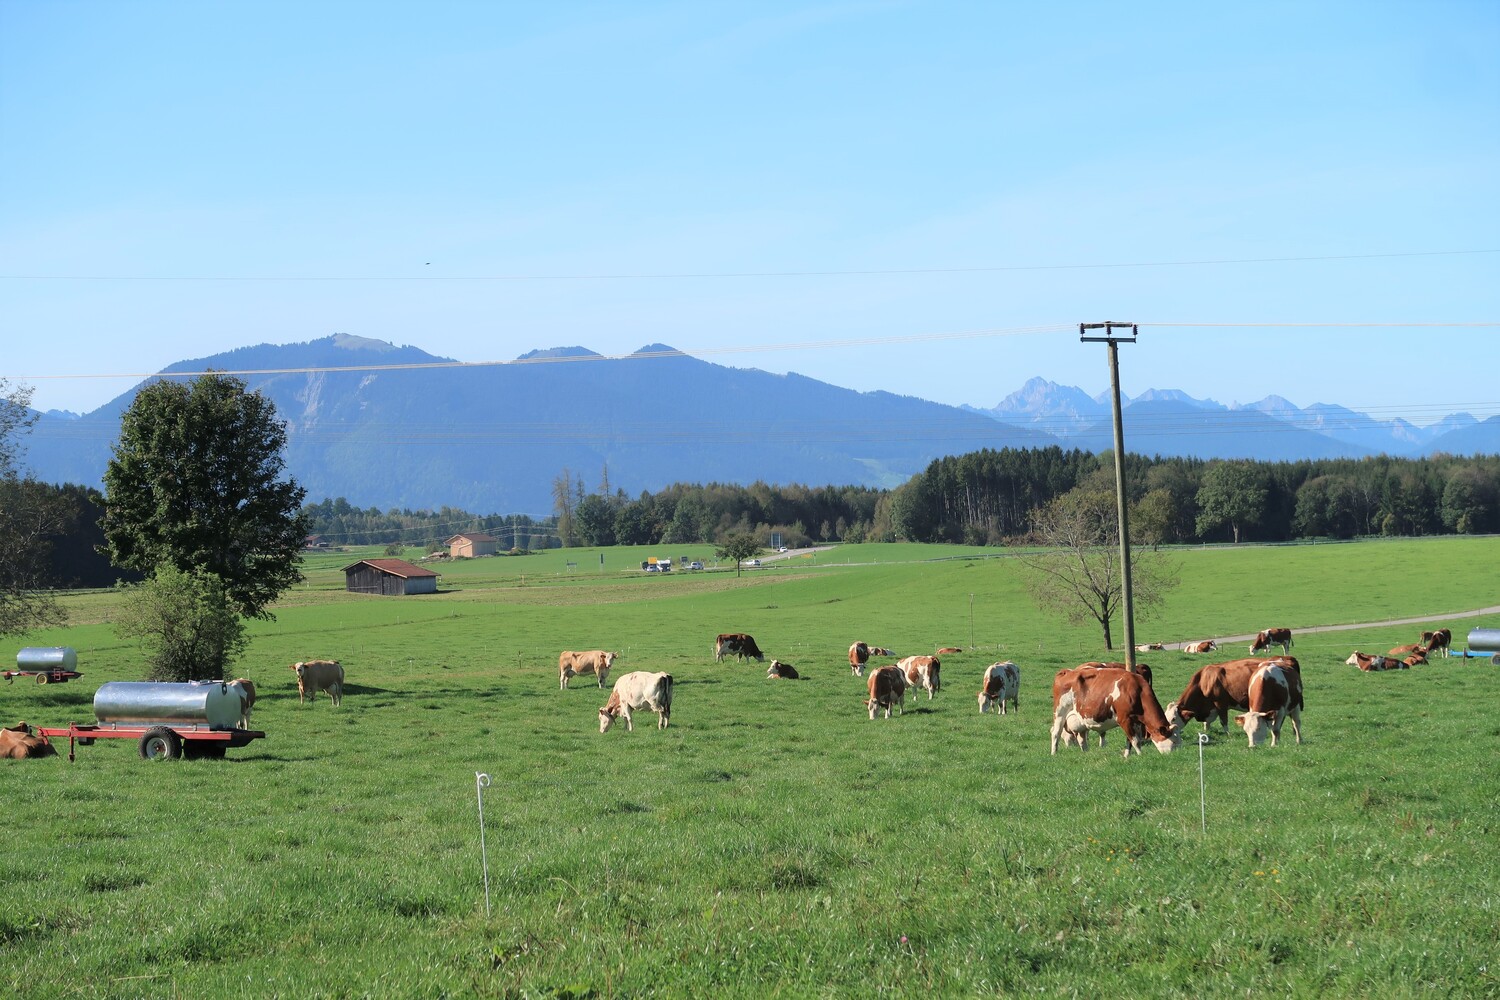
point(42, 677)
point(160, 743)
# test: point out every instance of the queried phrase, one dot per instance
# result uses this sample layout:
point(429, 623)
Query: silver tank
point(47, 658)
point(1485, 638)
point(201, 703)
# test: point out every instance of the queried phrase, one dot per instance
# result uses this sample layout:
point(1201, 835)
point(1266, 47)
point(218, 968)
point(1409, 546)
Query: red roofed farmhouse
point(392, 577)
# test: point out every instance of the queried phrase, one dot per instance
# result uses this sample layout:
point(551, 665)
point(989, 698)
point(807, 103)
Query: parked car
point(695, 564)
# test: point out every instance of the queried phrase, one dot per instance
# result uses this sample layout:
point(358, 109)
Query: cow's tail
point(666, 698)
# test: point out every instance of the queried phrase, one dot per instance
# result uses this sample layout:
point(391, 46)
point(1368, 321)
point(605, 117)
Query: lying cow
point(1438, 639)
point(1375, 662)
point(1205, 646)
point(634, 691)
point(1100, 700)
point(1213, 691)
point(1412, 653)
point(1149, 647)
point(737, 644)
point(949, 650)
point(1275, 693)
point(594, 661)
point(18, 743)
point(319, 675)
point(923, 672)
point(782, 671)
point(1001, 683)
point(1273, 637)
point(242, 687)
point(887, 688)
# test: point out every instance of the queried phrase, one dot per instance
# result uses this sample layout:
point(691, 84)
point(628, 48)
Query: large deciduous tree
point(1077, 572)
point(1233, 493)
point(196, 483)
point(30, 515)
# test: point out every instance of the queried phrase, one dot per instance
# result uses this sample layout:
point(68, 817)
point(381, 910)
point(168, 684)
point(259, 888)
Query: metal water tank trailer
point(47, 658)
point(191, 703)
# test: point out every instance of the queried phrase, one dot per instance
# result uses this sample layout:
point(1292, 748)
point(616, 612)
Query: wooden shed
point(392, 577)
point(473, 543)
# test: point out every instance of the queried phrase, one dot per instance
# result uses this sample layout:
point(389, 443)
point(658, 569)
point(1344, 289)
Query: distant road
point(1423, 620)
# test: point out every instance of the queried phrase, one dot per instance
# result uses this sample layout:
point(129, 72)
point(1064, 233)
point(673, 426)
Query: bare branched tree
point(1077, 574)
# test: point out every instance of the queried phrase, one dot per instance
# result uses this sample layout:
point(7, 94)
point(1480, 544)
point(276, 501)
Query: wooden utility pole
point(1110, 338)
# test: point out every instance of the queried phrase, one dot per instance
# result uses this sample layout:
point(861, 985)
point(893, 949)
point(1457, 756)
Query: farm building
point(391, 577)
point(474, 543)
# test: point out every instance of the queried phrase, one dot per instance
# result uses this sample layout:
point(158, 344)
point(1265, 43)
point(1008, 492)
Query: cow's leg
point(1295, 715)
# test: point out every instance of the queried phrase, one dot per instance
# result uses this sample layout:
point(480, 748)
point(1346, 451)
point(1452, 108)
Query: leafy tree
point(739, 546)
point(1469, 503)
point(30, 515)
point(1232, 493)
point(594, 520)
point(195, 483)
point(186, 622)
point(1079, 574)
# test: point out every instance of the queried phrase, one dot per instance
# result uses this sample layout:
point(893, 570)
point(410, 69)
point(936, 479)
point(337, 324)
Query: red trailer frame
point(55, 675)
point(157, 741)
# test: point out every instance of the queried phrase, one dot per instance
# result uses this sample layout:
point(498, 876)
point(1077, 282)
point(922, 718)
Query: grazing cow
point(246, 691)
point(18, 743)
point(1274, 693)
point(782, 671)
point(1001, 683)
point(1149, 647)
point(636, 690)
point(319, 675)
point(1206, 646)
point(1219, 687)
point(859, 655)
point(1273, 637)
point(1439, 639)
point(1412, 653)
point(949, 650)
point(923, 672)
point(737, 644)
point(1100, 700)
point(1376, 662)
point(1064, 678)
point(887, 687)
point(595, 661)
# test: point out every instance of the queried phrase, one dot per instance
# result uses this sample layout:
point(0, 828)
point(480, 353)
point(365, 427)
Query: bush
point(186, 623)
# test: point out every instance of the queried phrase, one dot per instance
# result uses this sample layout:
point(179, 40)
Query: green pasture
point(773, 841)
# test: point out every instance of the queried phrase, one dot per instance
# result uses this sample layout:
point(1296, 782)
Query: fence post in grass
point(481, 782)
point(1202, 797)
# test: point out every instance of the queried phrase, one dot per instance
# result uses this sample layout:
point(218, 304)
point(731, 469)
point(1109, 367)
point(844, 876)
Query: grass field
point(773, 841)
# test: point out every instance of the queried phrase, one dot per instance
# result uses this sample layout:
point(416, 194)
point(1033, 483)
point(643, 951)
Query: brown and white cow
point(1275, 693)
point(923, 672)
point(1371, 663)
point(859, 655)
point(887, 687)
point(1205, 646)
point(782, 671)
point(1412, 653)
point(18, 743)
point(634, 691)
point(737, 644)
point(949, 650)
point(1100, 700)
point(1001, 683)
point(1064, 677)
point(594, 661)
point(1213, 691)
point(1273, 637)
point(1438, 639)
point(242, 687)
point(1149, 647)
point(319, 675)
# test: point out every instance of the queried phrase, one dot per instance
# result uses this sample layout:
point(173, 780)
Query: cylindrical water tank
point(1487, 639)
point(202, 703)
point(47, 658)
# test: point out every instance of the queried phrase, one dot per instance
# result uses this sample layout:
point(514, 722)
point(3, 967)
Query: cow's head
point(1257, 726)
point(1166, 742)
point(606, 719)
point(1354, 659)
point(1175, 719)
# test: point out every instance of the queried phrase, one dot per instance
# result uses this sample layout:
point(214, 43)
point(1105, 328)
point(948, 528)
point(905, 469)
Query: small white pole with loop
point(481, 782)
point(1202, 797)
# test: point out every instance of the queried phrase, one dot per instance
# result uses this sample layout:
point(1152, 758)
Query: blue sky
point(924, 198)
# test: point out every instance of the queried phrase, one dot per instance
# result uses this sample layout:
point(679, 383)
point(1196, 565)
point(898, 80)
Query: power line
point(685, 275)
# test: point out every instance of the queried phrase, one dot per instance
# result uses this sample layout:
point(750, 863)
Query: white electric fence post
point(1202, 797)
point(481, 782)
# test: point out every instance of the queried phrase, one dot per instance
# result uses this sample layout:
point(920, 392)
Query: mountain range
point(389, 426)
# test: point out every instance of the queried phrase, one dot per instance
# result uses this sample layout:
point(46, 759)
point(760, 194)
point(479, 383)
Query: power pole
point(1114, 341)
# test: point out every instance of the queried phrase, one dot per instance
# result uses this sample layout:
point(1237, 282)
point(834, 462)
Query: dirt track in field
point(1423, 620)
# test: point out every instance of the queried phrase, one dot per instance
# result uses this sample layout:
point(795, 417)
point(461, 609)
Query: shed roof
point(395, 567)
point(473, 536)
